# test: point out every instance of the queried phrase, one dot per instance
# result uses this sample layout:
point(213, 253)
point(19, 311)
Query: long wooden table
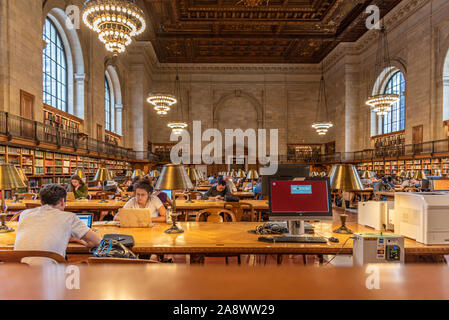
point(231, 238)
point(203, 204)
point(80, 205)
point(176, 282)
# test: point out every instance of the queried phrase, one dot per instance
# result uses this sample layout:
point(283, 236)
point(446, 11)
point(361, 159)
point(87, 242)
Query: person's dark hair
point(144, 184)
point(52, 194)
point(136, 180)
point(76, 177)
point(221, 183)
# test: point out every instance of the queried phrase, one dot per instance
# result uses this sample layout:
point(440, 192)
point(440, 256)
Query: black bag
point(109, 248)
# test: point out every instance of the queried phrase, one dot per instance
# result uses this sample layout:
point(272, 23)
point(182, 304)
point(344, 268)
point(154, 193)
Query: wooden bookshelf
point(390, 144)
point(112, 138)
point(58, 119)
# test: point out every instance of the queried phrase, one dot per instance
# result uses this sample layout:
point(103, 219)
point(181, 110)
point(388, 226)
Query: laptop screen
point(86, 219)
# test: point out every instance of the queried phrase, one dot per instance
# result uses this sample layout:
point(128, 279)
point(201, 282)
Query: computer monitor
point(286, 171)
point(296, 201)
point(86, 219)
point(169, 193)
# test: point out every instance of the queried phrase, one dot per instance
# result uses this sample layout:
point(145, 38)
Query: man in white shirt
point(50, 228)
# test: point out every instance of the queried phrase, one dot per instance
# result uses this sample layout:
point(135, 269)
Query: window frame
point(391, 122)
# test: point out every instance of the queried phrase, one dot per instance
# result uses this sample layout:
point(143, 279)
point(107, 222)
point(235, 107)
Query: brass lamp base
point(189, 199)
point(343, 228)
point(5, 229)
point(174, 229)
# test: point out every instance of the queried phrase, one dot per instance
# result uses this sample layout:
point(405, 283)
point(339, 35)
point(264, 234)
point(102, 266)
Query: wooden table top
point(202, 237)
point(180, 282)
point(72, 205)
point(203, 204)
point(243, 194)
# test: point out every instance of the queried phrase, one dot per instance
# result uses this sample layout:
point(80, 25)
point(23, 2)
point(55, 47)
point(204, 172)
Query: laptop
point(86, 218)
point(70, 196)
point(135, 218)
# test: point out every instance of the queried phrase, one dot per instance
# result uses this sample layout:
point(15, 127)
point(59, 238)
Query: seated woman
point(78, 187)
point(144, 199)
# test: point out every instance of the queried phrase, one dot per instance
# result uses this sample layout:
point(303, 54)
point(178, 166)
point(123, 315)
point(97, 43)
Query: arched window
point(395, 119)
point(107, 106)
point(54, 68)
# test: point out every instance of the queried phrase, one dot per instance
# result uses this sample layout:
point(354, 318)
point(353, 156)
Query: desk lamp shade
point(409, 175)
point(103, 175)
point(192, 174)
point(174, 177)
point(154, 174)
point(129, 174)
point(437, 173)
point(367, 174)
point(344, 177)
point(419, 175)
point(138, 173)
point(80, 173)
point(22, 175)
point(323, 174)
point(241, 174)
point(10, 179)
point(252, 175)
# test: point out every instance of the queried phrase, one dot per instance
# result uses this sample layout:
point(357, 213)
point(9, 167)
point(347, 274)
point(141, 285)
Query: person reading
point(217, 192)
point(78, 187)
point(145, 199)
point(50, 228)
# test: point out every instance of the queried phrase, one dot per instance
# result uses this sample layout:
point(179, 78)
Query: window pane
point(395, 119)
point(54, 68)
point(107, 106)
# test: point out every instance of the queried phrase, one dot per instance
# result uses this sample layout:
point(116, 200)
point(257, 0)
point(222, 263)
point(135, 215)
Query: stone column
point(118, 118)
point(78, 95)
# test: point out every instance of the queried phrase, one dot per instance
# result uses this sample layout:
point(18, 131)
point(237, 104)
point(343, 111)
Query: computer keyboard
point(293, 239)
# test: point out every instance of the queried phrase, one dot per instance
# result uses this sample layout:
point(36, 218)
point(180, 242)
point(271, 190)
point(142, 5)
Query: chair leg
point(227, 260)
point(239, 260)
point(304, 258)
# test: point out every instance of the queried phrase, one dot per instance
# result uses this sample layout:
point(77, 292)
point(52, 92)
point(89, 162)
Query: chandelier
point(322, 123)
point(252, 3)
point(162, 102)
point(177, 124)
point(381, 103)
point(115, 21)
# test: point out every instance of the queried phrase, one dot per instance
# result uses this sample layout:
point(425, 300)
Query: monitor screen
point(86, 219)
point(168, 193)
point(286, 171)
point(301, 199)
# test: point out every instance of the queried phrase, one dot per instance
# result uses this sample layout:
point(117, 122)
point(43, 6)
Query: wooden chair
point(239, 209)
point(214, 215)
point(16, 216)
point(7, 256)
point(94, 261)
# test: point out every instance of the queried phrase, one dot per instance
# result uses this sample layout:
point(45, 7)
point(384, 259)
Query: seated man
point(218, 192)
point(257, 189)
point(382, 186)
point(50, 228)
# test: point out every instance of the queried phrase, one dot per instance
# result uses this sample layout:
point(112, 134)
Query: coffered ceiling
point(228, 31)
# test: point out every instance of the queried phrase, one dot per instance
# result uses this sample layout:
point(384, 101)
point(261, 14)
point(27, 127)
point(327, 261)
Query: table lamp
point(154, 174)
point(409, 175)
point(345, 178)
point(9, 180)
point(252, 175)
point(402, 174)
point(437, 173)
point(103, 175)
point(129, 174)
point(80, 173)
point(174, 177)
point(138, 173)
point(419, 175)
point(193, 176)
point(24, 178)
point(367, 174)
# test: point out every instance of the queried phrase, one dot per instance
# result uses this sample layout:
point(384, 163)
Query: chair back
point(214, 215)
point(8, 256)
point(93, 261)
point(239, 209)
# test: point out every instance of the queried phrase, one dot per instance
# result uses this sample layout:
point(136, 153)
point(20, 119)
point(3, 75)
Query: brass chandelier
point(117, 22)
point(381, 103)
point(178, 125)
point(322, 123)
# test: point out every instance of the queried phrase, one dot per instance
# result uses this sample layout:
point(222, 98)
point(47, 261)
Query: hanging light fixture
point(381, 103)
point(162, 102)
point(322, 123)
point(178, 125)
point(117, 22)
